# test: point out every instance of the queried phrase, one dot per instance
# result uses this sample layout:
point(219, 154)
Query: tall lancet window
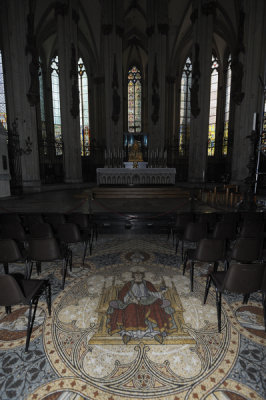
point(184, 117)
point(227, 106)
point(56, 104)
point(84, 109)
point(213, 106)
point(134, 100)
point(3, 115)
point(42, 109)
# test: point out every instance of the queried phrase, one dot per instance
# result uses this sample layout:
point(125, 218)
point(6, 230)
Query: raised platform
point(136, 176)
point(139, 192)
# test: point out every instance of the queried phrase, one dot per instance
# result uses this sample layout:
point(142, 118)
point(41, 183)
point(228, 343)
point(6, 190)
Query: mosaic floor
point(173, 349)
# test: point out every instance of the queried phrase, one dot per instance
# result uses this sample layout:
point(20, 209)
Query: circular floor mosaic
point(128, 327)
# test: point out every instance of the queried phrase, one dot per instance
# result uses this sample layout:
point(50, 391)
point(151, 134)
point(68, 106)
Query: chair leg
point(48, 296)
point(85, 251)
point(31, 319)
point(64, 274)
point(192, 276)
point(6, 268)
point(246, 298)
point(219, 308)
point(8, 309)
point(38, 267)
point(176, 245)
point(264, 307)
point(185, 263)
point(182, 250)
point(28, 269)
point(215, 266)
point(207, 288)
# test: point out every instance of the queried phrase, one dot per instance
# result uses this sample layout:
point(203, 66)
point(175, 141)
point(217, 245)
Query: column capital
point(60, 9)
point(209, 8)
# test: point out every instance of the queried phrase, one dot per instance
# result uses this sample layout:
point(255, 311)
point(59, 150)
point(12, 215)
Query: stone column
point(202, 18)
point(67, 20)
point(251, 67)
point(112, 61)
point(19, 73)
point(157, 45)
point(4, 167)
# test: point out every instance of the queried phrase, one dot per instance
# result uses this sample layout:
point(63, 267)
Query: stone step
point(139, 192)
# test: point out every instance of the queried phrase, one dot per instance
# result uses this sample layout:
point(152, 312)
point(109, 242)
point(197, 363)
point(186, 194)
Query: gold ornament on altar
point(135, 153)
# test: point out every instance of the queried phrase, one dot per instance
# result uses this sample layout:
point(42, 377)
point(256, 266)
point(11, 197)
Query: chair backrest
point(82, 220)
point(55, 219)
point(252, 228)
point(209, 218)
point(183, 219)
point(44, 249)
point(230, 217)
point(195, 231)
point(69, 233)
point(247, 249)
point(41, 230)
point(244, 278)
point(10, 291)
point(9, 218)
point(13, 231)
point(30, 219)
point(211, 250)
point(9, 251)
point(224, 230)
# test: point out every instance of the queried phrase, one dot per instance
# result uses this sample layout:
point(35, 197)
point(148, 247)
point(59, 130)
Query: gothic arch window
point(227, 105)
point(3, 114)
point(134, 99)
point(42, 109)
point(184, 115)
point(56, 103)
point(84, 109)
point(213, 105)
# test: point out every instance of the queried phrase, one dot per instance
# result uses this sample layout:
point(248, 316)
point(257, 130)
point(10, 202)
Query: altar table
point(136, 176)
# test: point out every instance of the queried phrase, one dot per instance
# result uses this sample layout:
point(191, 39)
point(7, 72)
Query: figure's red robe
point(134, 315)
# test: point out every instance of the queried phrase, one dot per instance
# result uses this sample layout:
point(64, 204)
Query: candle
point(254, 121)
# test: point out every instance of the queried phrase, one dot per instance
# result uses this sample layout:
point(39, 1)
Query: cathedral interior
point(82, 82)
point(132, 134)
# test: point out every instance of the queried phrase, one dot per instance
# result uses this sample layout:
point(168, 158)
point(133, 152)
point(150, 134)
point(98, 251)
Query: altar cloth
point(136, 176)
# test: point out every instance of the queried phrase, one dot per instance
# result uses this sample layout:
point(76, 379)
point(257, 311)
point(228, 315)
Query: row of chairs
point(243, 279)
point(237, 240)
point(38, 238)
point(76, 228)
point(215, 251)
point(188, 229)
point(29, 220)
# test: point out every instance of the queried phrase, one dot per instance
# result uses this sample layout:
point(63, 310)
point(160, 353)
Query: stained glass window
point(263, 138)
point(213, 105)
point(227, 106)
point(84, 109)
point(3, 115)
point(56, 103)
point(42, 109)
point(184, 117)
point(134, 100)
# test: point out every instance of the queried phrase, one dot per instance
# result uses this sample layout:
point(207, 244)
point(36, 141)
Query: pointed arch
point(56, 102)
point(3, 113)
point(228, 79)
point(134, 100)
point(84, 109)
point(213, 104)
point(184, 112)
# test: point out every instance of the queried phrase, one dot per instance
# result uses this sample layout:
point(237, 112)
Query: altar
point(136, 176)
point(136, 170)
